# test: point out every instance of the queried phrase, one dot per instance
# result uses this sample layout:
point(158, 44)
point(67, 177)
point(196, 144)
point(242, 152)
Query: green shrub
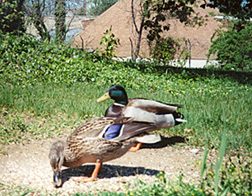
point(26, 60)
point(233, 48)
point(11, 17)
point(110, 44)
point(167, 49)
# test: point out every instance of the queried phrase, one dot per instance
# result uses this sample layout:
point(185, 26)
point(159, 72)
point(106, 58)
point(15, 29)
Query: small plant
point(12, 131)
point(110, 44)
point(233, 177)
point(166, 50)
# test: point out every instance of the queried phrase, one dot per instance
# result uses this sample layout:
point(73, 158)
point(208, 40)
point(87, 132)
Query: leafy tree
point(233, 44)
point(241, 9)
point(35, 11)
point(100, 6)
point(11, 16)
point(154, 16)
point(233, 47)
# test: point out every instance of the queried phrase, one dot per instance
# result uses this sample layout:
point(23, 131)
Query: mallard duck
point(97, 141)
point(161, 114)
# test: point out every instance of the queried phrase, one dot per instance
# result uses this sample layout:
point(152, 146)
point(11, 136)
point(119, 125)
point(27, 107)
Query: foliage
point(239, 9)
point(25, 59)
point(35, 12)
point(235, 176)
point(110, 43)
point(154, 16)
point(47, 90)
point(19, 190)
point(233, 47)
point(232, 177)
point(166, 49)
point(23, 127)
point(11, 16)
point(26, 63)
point(100, 194)
point(156, 12)
point(98, 7)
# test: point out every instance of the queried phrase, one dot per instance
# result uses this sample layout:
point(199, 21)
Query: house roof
point(119, 18)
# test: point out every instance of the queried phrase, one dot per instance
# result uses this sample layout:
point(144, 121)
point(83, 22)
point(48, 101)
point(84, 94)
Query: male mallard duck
point(161, 114)
point(97, 141)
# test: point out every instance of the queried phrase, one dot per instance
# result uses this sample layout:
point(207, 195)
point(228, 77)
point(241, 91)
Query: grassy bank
point(46, 90)
point(208, 106)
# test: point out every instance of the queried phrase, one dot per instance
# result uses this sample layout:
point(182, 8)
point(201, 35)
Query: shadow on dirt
point(165, 141)
point(107, 171)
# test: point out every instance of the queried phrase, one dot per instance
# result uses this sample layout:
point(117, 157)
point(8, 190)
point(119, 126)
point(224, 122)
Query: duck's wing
point(106, 132)
point(86, 137)
point(152, 106)
point(133, 129)
point(115, 129)
point(92, 128)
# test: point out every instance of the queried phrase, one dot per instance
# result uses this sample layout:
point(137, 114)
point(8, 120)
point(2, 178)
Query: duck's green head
point(117, 93)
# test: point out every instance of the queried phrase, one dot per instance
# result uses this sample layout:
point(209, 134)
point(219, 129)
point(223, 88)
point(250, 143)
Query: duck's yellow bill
point(103, 97)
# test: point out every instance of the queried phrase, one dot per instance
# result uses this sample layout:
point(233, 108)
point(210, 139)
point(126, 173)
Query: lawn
point(46, 91)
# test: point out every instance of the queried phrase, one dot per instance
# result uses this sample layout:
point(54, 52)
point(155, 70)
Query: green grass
point(64, 106)
point(211, 107)
point(46, 90)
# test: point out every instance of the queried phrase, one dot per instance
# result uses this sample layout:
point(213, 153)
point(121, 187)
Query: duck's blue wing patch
point(112, 132)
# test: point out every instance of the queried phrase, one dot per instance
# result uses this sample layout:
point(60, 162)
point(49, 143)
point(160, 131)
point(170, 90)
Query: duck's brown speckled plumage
point(86, 144)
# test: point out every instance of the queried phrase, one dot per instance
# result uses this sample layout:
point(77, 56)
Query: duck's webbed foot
point(135, 148)
point(93, 177)
point(84, 179)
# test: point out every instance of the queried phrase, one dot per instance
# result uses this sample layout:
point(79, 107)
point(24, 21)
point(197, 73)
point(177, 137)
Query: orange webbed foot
point(84, 179)
point(135, 148)
point(98, 165)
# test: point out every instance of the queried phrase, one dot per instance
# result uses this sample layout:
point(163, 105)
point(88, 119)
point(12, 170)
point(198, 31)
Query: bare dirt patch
point(28, 166)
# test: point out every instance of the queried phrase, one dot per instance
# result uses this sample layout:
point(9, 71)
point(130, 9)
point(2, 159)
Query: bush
point(11, 16)
point(167, 49)
point(233, 48)
point(110, 44)
point(26, 60)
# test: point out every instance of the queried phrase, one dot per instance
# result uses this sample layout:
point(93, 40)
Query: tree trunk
point(60, 15)
point(38, 22)
point(139, 32)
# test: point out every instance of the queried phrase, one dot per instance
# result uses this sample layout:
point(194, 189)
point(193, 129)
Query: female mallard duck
point(161, 114)
point(97, 141)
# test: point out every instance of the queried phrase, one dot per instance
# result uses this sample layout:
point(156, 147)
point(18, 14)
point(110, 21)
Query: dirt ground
point(28, 166)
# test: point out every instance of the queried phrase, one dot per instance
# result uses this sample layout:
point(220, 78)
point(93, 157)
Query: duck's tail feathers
point(179, 118)
point(149, 139)
point(179, 121)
